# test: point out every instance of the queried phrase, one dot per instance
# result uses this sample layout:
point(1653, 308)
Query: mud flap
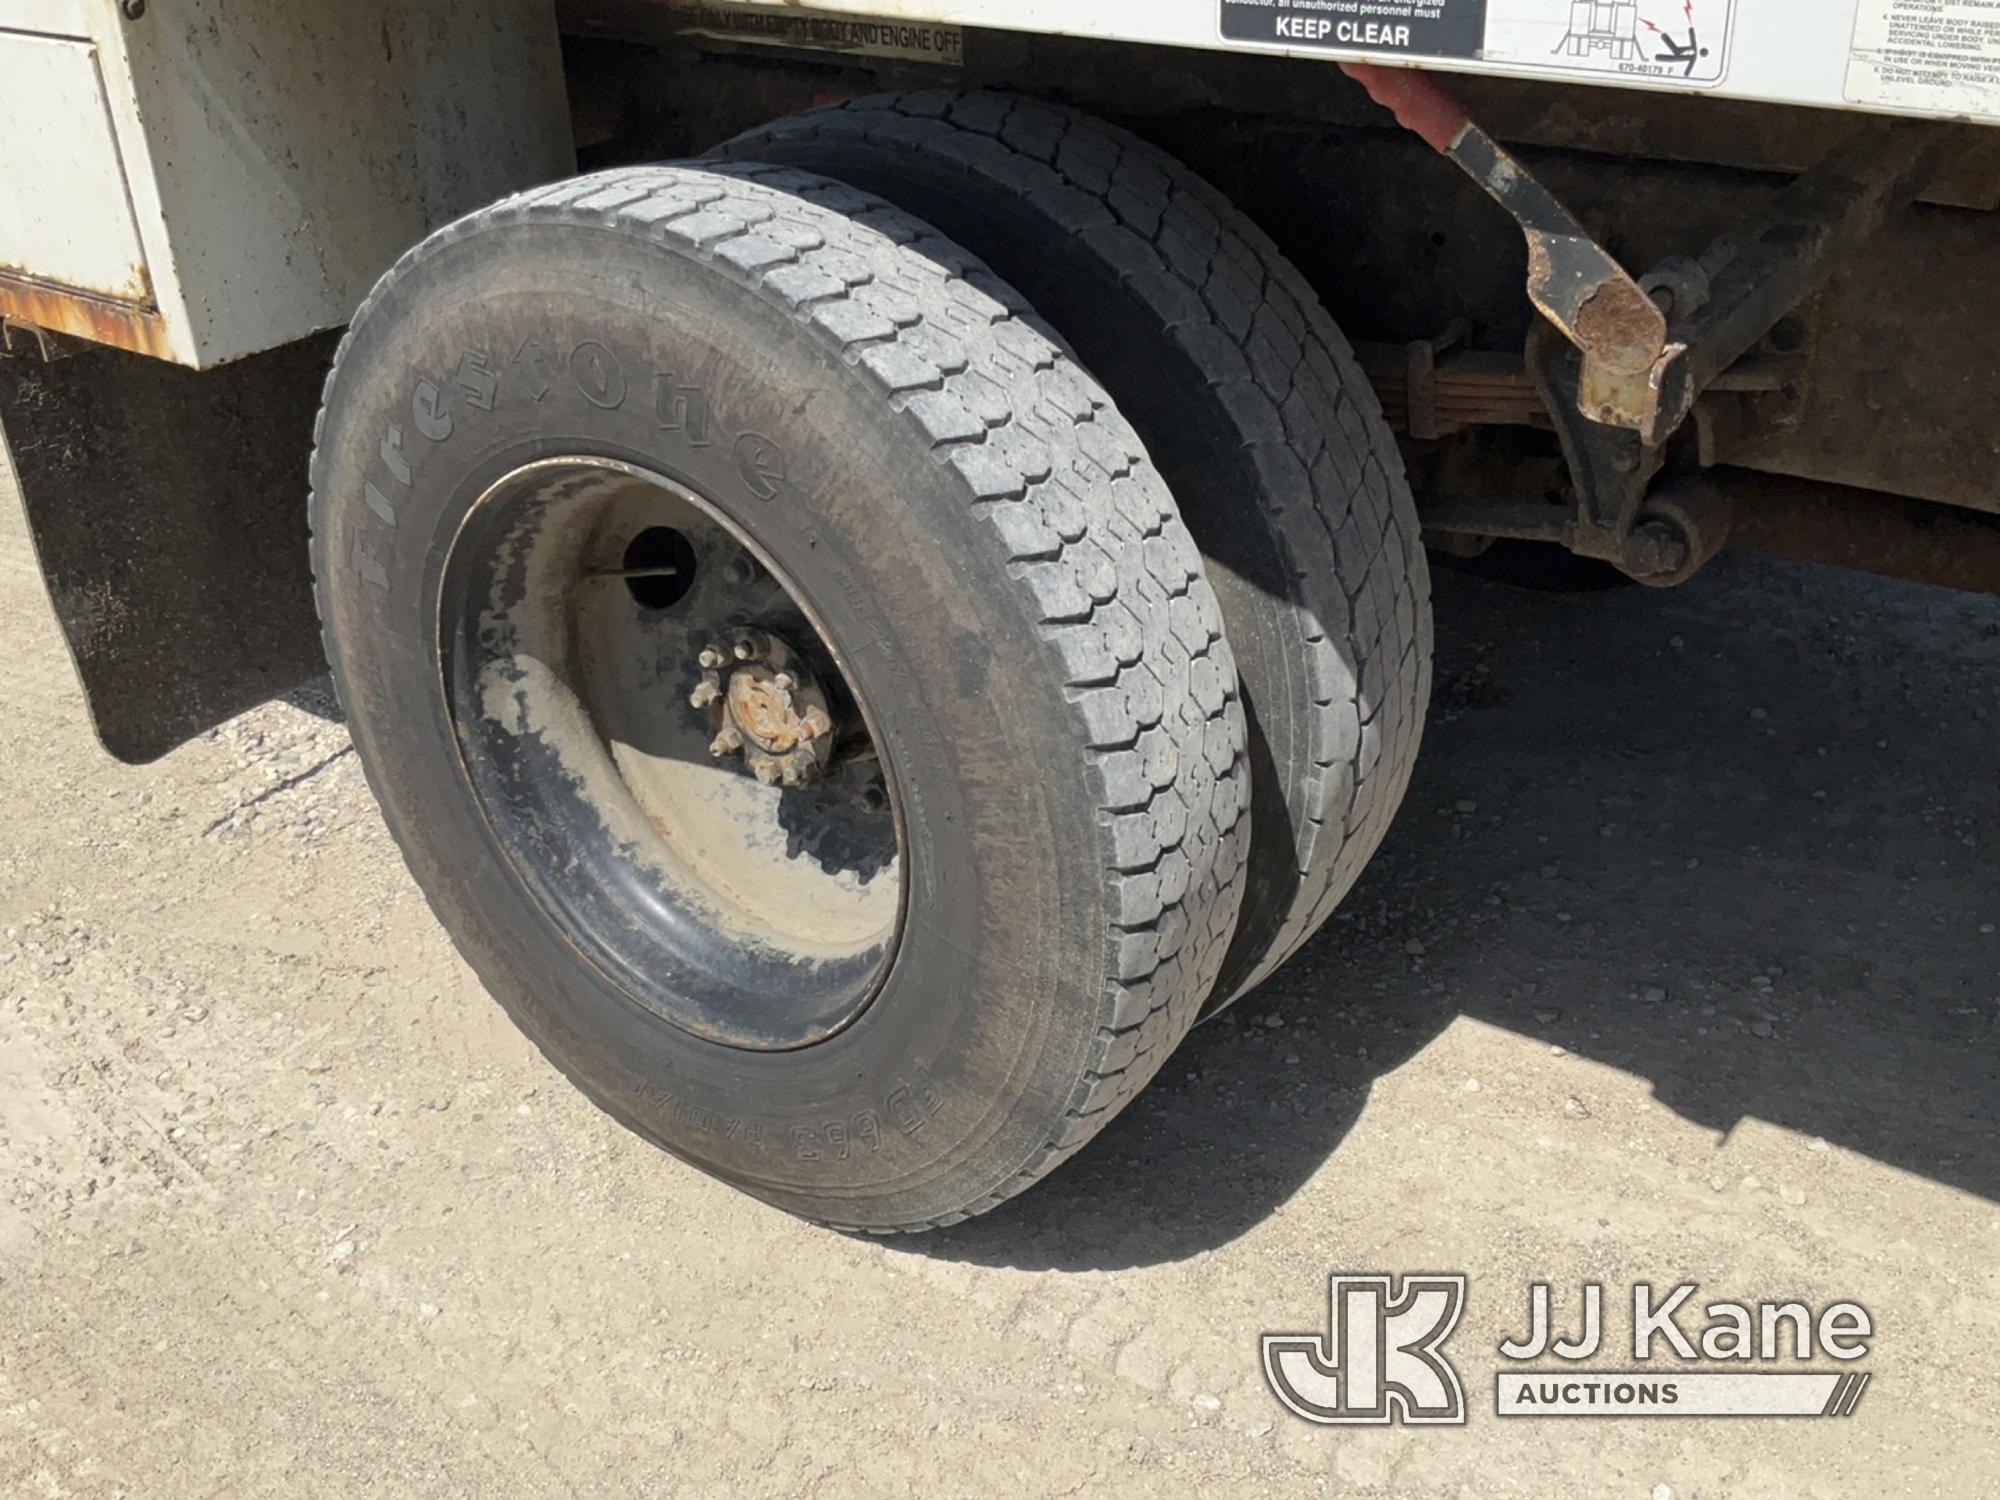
point(168, 509)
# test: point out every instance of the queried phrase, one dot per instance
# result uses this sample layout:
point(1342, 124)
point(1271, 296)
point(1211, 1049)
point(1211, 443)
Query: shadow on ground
point(1733, 839)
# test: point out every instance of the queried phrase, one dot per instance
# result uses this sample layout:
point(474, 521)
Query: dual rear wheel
point(790, 676)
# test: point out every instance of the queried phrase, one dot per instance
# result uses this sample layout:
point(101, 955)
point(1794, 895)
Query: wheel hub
point(766, 705)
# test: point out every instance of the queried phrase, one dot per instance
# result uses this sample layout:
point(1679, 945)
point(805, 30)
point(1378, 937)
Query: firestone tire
point(1253, 407)
point(1005, 579)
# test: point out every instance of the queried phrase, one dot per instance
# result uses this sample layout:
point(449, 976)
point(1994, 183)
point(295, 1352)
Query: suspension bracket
point(1619, 361)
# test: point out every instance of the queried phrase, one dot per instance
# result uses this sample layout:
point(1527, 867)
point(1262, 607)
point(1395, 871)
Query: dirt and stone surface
point(1680, 964)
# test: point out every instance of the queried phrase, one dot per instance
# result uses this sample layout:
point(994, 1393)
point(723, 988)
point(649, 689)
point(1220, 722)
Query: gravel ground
point(1680, 964)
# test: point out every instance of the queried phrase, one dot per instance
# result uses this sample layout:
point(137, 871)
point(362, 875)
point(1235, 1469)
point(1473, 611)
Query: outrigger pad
point(168, 508)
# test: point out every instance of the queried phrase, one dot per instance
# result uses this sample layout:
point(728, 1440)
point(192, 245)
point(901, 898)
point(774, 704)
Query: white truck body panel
point(67, 207)
point(1926, 57)
point(219, 177)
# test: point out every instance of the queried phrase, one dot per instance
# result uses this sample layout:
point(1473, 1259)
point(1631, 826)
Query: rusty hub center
point(766, 706)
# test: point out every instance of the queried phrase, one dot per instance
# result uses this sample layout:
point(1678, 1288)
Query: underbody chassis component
point(1620, 361)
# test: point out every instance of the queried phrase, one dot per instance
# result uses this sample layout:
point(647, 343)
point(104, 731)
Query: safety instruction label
point(1936, 55)
point(1664, 41)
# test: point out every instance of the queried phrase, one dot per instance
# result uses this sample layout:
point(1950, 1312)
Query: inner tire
point(595, 386)
point(1253, 407)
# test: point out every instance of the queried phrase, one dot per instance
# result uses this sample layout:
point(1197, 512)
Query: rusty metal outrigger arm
point(1635, 354)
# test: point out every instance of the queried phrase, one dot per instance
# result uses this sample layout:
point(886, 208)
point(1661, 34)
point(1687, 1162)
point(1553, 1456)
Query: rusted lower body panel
point(122, 325)
point(168, 511)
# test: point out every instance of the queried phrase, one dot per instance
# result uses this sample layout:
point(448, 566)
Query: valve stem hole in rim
point(669, 753)
point(659, 567)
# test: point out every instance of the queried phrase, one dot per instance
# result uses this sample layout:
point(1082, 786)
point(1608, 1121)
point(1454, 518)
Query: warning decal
point(1643, 41)
point(1415, 28)
point(1640, 41)
point(1939, 55)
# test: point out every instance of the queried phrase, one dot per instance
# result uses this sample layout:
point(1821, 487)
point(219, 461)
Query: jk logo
point(1379, 1361)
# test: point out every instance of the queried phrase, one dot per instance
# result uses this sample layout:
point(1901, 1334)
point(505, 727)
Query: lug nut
point(784, 682)
point(751, 645)
point(817, 723)
point(740, 570)
point(726, 743)
point(767, 772)
point(711, 657)
point(874, 797)
point(705, 694)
